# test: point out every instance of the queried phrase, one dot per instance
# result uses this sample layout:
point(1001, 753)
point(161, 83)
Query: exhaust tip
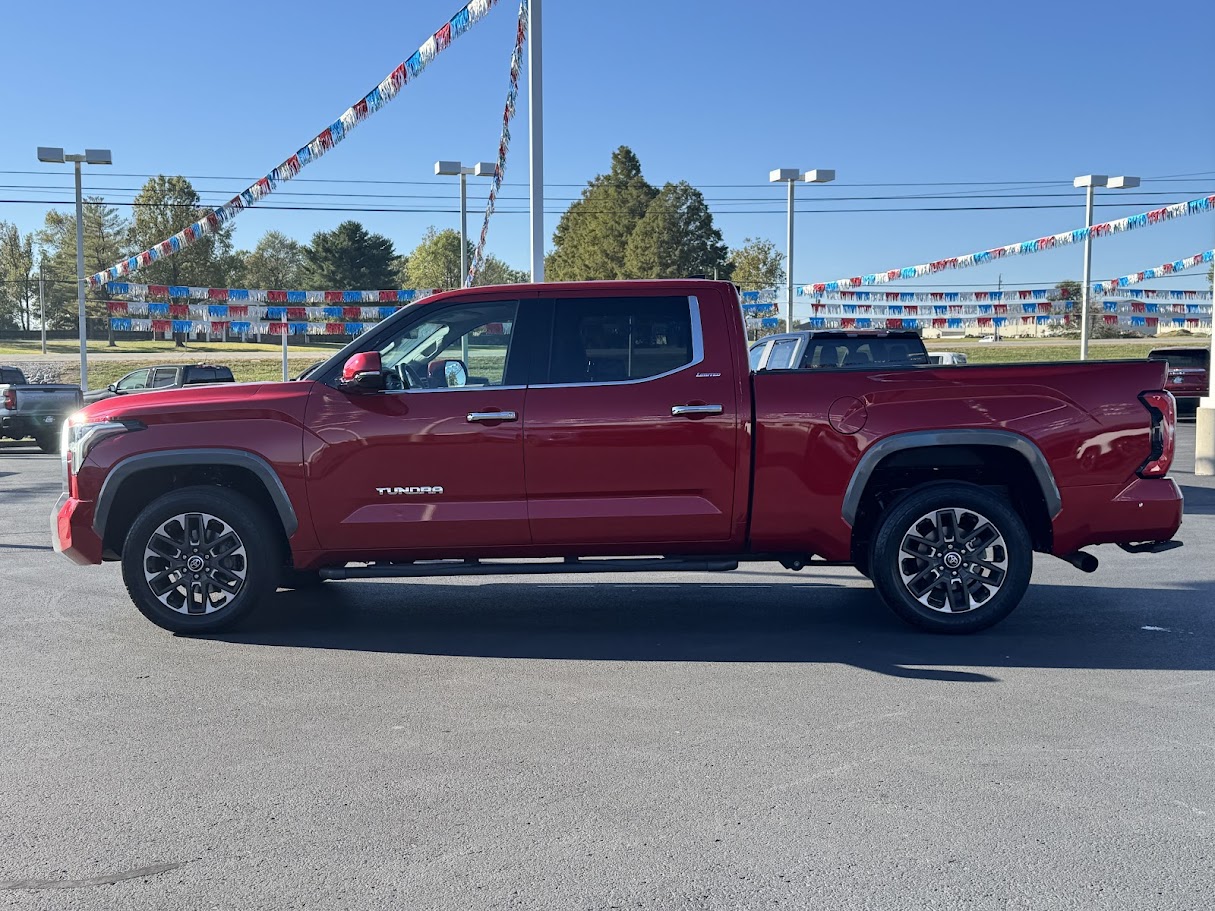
point(1086, 563)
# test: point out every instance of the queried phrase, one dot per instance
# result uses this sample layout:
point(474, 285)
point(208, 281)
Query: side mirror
point(363, 373)
point(449, 372)
point(113, 387)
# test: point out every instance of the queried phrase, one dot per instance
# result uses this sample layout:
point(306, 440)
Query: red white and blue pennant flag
point(142, 292)
point(1172, 268)
point(1130, 223)
point(214, 219)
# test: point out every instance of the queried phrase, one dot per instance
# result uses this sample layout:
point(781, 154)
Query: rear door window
point(757, 355)
point(781, 355)
point(164, 377)
point(606, 340)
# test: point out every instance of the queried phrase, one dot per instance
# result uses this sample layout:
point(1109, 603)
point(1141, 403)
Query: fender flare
point(923, 439)
point(169, 458)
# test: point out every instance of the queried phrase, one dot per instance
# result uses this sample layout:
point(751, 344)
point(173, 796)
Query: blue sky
point(900, 99)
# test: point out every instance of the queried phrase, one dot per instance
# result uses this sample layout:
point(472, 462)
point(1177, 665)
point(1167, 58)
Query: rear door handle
point(685, 410)
point(475, 417)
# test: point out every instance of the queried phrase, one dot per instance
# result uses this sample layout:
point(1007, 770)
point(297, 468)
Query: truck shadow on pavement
point(802, 622)
point(1199, 501)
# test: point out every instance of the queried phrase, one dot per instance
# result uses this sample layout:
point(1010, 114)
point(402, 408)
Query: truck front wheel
point(951, 558)
point(197, 560)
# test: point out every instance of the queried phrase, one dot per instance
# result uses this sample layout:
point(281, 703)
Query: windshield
point(1182, 359)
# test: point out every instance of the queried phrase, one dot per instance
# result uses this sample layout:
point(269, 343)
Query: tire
point(48, 443)
point(964, 586)
point(238, 562)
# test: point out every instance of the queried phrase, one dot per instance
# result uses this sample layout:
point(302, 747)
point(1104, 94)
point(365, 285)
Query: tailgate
point(36, 400)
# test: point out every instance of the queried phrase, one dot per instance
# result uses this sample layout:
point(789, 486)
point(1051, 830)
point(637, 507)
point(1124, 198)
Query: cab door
point(435, 462)
point(633, 427)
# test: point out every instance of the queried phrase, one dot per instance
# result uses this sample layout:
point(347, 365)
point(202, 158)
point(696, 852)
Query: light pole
point(791, 176)
point(1090, 182)
point(90, 156)
point(456, 169)
point(42, 305)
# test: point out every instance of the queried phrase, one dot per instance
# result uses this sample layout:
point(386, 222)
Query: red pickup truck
point(615, 426)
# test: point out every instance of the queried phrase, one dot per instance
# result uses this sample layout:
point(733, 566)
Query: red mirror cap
point(364, 362)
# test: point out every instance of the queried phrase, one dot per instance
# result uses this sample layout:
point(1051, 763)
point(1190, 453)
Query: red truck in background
point(1188, 373)
point(615, 426)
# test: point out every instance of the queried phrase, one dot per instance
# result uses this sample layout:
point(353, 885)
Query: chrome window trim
point(698, 355)
point(486, 388)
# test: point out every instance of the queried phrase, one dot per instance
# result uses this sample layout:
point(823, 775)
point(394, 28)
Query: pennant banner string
point(213, 219)
point(1157, 272)
point(1130, 223)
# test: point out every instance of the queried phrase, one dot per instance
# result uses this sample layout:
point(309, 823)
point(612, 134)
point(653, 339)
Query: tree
point(107, 239)
point(18, 283)
point(676, 238)
point(757, 265)
point(435, 261)
point(495, 272)
point(593, 233)
point(163, 207)
point(276, 263)
point(350, 258)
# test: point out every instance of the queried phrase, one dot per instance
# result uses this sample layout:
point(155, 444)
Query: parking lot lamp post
point(791, 176)
point(90, 156)
point(457, 169)
point(1090, 182)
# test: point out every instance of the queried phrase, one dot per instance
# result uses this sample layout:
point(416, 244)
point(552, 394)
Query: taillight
point(1163, 408)
point(10, 399)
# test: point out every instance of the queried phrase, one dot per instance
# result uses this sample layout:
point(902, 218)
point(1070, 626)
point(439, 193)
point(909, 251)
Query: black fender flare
point(169, 458)
point(926, 439)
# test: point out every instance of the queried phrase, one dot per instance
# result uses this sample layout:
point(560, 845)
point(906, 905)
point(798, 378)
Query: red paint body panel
point(607, 469)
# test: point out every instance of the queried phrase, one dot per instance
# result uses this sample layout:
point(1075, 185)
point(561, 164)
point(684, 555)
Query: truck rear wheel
point(951, 558)
point(200, 559)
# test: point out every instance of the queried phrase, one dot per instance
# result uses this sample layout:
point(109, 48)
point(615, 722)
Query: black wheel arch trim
point(171, 458)
point(921, 439)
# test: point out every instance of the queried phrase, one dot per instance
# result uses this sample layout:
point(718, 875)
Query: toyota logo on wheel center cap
point(953, 560)
point(195, 563)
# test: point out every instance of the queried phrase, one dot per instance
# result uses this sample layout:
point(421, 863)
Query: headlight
point(80, 435)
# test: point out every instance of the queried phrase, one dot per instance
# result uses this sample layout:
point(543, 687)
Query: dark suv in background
point(149, 379)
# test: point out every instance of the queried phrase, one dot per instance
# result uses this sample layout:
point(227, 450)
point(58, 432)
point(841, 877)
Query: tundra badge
point(407, 491)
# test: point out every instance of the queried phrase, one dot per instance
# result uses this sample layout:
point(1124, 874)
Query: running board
point(423, 568)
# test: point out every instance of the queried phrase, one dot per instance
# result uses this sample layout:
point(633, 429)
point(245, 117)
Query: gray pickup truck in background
point(168, 376)
point(35, 410)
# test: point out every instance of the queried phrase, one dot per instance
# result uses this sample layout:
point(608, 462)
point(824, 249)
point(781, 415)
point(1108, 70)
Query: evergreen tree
point(350, 258)
point(676, 238)
point(593, 233)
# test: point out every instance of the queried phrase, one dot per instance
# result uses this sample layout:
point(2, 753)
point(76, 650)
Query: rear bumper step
point(1151, 547)
point(421, 569)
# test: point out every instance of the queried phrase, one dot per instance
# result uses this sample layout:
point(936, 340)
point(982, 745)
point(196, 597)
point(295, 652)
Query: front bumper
point(72, 531)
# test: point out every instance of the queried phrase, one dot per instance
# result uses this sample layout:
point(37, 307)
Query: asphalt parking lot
point(756, 739)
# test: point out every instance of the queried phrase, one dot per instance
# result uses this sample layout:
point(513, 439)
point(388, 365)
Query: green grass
point(1035, 350)
point(62, 346)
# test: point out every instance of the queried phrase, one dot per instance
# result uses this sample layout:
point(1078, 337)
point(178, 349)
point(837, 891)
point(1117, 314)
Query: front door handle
point(687, 410)
point(475, 417)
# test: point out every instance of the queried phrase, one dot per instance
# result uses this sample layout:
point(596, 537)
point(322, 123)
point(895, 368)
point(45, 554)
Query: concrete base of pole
point(1204, 438)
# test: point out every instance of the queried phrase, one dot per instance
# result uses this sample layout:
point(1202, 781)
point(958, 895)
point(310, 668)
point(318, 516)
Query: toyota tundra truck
point(611, 427)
